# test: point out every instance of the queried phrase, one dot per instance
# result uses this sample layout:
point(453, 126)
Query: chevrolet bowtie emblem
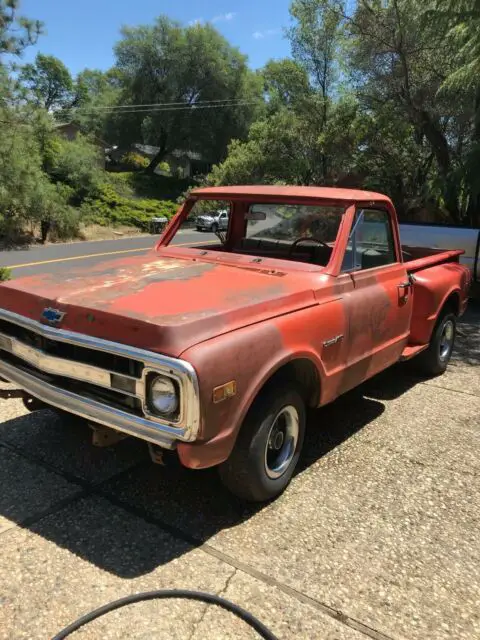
point(52, 316)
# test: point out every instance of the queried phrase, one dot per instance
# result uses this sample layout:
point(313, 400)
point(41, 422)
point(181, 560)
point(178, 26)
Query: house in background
point(184, 164)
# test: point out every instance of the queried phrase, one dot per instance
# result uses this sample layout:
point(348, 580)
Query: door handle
point(404, 289)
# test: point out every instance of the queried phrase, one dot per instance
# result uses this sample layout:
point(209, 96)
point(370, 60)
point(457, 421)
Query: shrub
point(110, 208)
point(121, 182)
point(5, 274)
point(76, 163)
point(164, 167)
point(134, 161)
point(66, 225)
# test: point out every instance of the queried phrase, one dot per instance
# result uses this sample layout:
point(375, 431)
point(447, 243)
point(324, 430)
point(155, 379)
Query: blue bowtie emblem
point(52, 316)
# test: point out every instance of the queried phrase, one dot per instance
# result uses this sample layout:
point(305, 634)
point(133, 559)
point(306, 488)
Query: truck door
point(379, 305)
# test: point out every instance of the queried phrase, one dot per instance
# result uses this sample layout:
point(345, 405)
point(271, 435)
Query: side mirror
point(256, 215)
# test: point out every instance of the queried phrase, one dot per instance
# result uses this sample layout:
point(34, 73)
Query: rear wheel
point(268, 446)
point(214, 227)
point(434, 360)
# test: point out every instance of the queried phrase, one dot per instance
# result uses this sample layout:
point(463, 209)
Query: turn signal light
point(227, 390)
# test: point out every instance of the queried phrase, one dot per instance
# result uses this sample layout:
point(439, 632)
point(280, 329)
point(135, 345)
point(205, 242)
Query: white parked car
point(215, 221)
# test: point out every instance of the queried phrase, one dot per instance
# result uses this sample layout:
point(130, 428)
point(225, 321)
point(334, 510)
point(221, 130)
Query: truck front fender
point(250, 356)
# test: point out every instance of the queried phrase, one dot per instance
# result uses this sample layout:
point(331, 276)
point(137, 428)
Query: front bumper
point(205, 224)
point(48, 378)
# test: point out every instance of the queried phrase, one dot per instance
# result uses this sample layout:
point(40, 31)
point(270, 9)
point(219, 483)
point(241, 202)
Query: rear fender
point(433, 289)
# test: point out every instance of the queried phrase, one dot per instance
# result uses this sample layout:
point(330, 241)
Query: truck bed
point(441, 237)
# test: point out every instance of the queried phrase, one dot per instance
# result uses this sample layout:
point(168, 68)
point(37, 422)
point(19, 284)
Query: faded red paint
point(234, 317)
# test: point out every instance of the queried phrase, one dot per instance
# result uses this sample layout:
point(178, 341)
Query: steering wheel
point(293, 246)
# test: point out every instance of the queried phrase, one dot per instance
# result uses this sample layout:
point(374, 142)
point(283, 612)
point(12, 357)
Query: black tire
point(434, 360)
point(214, 227)
point(251, 470)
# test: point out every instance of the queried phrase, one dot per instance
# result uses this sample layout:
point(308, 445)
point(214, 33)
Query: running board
point(412, 350)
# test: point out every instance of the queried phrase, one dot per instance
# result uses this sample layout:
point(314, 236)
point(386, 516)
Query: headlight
point(163, 396)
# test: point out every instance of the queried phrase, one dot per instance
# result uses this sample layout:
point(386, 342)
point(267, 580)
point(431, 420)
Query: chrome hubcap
point(446, 340)
point(282, 442)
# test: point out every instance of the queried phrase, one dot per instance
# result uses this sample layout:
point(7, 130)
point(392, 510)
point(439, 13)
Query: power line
point(153, 109)
point(175, 109)
point(193, 108)
point(183, 104)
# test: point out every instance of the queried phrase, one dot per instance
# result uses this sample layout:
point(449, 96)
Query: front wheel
point(434, 360)
point(268, 447)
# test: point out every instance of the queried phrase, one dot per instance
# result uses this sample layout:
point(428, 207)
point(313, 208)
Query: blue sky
point(82, 33)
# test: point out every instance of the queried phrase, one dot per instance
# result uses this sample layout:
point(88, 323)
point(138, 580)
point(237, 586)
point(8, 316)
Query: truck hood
point(162, 304)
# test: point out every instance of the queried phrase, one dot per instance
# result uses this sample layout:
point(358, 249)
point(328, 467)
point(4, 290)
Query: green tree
point(186, 67)
point(399, 60)
point(309, 134)
point(26, 193)
point(317, 38)
point(459, 22)
point(286, 84)
point(48, 82)
point(16, 32)
point(95, 93)
point(288, 146)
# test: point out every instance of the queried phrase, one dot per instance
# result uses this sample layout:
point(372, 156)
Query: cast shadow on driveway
point(122, 505)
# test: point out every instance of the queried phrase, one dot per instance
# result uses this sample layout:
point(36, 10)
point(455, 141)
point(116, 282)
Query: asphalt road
point(56, 257)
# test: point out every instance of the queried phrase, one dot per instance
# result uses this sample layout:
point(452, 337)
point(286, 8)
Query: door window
point(371, 242)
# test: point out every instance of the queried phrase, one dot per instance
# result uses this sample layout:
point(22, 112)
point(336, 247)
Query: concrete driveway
point(377, 537)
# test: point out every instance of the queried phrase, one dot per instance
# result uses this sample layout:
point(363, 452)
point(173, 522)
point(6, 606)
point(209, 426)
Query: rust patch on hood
point(132, 278)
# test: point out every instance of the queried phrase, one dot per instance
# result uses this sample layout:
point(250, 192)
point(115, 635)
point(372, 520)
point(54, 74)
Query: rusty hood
point(163, 304)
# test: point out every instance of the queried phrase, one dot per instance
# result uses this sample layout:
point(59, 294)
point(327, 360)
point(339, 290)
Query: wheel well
point(305, 374)
point(451, 304)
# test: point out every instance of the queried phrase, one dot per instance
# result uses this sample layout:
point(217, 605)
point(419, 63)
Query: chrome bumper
point(147, 427)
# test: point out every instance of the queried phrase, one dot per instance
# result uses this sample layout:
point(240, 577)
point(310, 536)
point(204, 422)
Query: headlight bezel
point(173, 417)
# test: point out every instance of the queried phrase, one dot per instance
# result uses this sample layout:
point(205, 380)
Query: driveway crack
point(223, 590)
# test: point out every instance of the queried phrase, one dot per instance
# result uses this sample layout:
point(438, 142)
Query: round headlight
point(163, 396)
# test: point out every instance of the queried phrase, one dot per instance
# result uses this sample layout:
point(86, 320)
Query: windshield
point(290, 222)
point(283, 230)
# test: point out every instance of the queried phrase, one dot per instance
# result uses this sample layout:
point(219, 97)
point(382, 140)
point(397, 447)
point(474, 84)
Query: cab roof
point(252, 192)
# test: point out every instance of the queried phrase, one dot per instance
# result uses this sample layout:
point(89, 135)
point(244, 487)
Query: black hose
point(162, 594)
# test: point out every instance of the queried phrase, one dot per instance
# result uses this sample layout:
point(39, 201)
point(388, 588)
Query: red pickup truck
point(218, 349)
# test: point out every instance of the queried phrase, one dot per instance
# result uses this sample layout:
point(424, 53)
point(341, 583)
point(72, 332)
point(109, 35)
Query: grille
point(102, 381)
point(72, 352)
point(85, 389)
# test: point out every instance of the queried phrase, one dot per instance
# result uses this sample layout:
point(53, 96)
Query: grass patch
point(5, 274)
